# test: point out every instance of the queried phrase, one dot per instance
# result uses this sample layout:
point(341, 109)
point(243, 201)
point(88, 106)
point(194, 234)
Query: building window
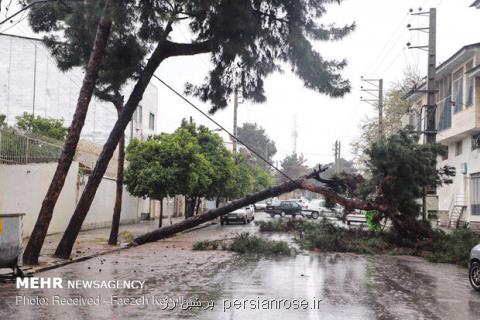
point(445, 105)
point(476, 141)
point(458, 148)
point(458, 86)
point(470, 85)
point(151, 121)
point(444, 155)
point(475, 194)
point(137, 116)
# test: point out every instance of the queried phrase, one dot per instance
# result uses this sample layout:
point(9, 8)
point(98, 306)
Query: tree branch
point(173, 49)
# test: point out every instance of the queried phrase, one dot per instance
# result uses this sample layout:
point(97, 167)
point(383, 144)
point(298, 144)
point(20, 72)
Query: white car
point(356, 217)
point(319, 206)
point(244, 215)
point(260, 206)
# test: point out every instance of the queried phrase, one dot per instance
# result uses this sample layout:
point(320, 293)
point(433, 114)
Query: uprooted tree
point(256, 36)
point(398, 171)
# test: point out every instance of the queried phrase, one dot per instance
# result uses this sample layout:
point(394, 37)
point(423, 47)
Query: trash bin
point(11, 241)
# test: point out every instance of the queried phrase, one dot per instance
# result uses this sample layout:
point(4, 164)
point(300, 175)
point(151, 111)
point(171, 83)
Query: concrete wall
point(23, 187)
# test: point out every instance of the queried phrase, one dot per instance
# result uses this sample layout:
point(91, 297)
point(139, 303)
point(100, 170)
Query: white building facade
point(31, 82)
point(458, 128)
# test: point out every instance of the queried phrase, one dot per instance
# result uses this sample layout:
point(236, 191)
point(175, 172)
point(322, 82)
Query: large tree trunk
point(215, 213)
point(117, 210)
point(163, 50)
point(37, 238)
point(410, 228)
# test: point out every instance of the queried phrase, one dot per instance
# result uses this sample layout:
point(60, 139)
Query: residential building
point(458, 126)
point(30, 81)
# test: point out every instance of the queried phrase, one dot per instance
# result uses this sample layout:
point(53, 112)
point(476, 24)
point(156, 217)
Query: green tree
point(256, 138)
point(293, 166)
point(3, 121)
point(257, 36)
point(41, 127)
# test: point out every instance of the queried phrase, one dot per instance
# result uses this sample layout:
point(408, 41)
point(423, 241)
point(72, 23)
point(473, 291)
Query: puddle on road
point(349, 287)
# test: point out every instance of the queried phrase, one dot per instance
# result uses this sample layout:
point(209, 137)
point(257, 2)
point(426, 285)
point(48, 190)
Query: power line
point(225, 130)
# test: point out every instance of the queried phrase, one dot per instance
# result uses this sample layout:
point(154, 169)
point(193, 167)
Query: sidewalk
point(91, 243)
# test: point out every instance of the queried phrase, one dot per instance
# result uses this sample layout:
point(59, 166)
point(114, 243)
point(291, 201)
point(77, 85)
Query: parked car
point(261, 205)
point(356, 216)
point(291, 208)
point(474, 268)
point(303, 202)
point(319, 205)
point(244, 215)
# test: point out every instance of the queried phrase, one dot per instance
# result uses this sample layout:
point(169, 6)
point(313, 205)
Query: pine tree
point(257, 37)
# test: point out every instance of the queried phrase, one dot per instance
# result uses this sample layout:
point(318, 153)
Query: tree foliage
point(294, 166)
point(398, 171)
point(256, 138)
point(41, 127)
point(192, 161)
point(258, 36)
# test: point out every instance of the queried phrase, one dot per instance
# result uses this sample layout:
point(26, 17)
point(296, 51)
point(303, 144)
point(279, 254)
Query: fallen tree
point(399, 170)
point(301, 183)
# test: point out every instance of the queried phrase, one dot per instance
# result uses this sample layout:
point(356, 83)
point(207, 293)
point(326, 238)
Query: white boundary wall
point(23, 187)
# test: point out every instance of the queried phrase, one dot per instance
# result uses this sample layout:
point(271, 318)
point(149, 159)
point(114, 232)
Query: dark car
point(290, 208)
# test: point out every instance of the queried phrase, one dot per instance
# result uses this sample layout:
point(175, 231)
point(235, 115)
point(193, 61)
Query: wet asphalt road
point(308, 286)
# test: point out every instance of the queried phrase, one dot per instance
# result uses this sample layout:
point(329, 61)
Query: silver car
point(474, 268)
point(244, 215)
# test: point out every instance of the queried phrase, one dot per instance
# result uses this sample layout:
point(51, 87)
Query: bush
point(454, 247)
point(326, 237)
point(284, 225)
point(250, 244)
point(247, 244)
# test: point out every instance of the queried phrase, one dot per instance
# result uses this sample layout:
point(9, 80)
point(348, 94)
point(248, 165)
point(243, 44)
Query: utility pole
point(336, 165)
point(430, 131)
point(375, 90)
point(295, 134)
point(235, 109)
point(431, 106)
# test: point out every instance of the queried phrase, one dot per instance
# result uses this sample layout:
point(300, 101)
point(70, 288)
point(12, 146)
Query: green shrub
point(284, 225)
point(454, 247)
point(201, 245)
point(250, 244)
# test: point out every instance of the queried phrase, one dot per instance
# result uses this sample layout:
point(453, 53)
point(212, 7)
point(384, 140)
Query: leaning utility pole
point(430, 131)
point(375, 90)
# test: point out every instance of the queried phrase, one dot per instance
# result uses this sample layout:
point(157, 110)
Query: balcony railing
point(16, 148)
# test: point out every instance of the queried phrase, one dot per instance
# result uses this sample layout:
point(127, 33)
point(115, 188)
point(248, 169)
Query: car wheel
point(282, 214)
point(272, 215)
point(315, 215)
point(474, 275)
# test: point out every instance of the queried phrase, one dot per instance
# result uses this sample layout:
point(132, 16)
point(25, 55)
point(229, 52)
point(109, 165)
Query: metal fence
point(16, 148)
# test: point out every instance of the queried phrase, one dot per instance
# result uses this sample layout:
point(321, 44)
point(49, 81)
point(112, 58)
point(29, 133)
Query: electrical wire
point(181, 96)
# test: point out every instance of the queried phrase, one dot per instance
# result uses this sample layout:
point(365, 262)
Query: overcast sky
point(376, 49)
